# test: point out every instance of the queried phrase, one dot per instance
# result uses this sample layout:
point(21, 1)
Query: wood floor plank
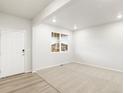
point(34, 88)
point(14, 78)
point(25, 83)
point(8, 89)
point(49, 90)
point(19, 82)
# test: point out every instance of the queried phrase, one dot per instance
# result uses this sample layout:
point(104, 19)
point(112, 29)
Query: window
point(59, 42)
point(64, 42)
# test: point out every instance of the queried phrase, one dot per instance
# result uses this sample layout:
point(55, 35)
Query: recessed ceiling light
point(75, 27)
point(54, 20)
point(119, 16)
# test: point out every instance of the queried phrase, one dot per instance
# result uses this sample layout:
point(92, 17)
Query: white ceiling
point(23, 8)
point(86, 13)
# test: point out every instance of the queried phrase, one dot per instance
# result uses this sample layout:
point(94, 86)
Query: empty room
point(61, 46)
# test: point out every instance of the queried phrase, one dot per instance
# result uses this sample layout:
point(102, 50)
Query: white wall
point(100, 46)
point(42, 56)
point(8, 22)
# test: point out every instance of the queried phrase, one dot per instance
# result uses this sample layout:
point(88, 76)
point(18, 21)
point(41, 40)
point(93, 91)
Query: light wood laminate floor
point(78, 78)
point(69, 78)
point(25, 83)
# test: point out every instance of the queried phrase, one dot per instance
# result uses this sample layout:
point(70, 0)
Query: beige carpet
point(77, 78)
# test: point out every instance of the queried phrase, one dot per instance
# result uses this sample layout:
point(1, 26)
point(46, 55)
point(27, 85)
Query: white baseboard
point(102, 67)
point(46, 67)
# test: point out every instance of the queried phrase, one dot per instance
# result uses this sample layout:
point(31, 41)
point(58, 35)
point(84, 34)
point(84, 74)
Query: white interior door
point(12, 55)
